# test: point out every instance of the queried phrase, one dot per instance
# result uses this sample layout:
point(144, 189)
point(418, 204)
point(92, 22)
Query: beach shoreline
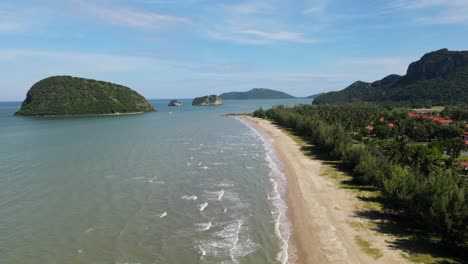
point(320, 211)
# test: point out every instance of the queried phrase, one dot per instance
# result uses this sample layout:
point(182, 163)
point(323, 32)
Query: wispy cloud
point(316, 8)
point(248, 8)
point(256, 22)
point(258, 37)
point(138, 19)
point(15, 20)
point(81, 61)
point(440, 11)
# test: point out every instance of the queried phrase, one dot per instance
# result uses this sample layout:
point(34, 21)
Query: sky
point(188, 48)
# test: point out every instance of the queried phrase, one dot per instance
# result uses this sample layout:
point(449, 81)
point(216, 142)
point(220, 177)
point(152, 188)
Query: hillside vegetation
point(256, 94)
point(438, 78)
point(66, 95)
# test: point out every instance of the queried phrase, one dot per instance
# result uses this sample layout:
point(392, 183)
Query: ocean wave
point(217, 195)
point(189, 197)
point(163, 215)
point(278, 180)
point(202, 206)
point(202, 227)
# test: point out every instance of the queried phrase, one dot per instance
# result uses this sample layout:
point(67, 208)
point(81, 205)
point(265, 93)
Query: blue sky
point(186, 48)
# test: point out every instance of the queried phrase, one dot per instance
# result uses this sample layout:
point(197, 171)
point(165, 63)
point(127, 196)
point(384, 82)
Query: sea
point(181, 185)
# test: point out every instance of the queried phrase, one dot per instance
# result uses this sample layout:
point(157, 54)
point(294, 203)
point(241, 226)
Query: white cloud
point(317, 8)
point(258, 37)
point(248, 8)
point(441, 11)
point(131, 18)
point(256, 23)
point(16, 20)
point(89, 62)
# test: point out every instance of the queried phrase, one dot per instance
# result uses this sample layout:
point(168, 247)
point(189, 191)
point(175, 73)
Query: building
point(438, 119)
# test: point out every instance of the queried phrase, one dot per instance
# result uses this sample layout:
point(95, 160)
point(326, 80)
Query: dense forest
point(413, 161)
point(438, 78)
point(66, 95)
point(256, 94)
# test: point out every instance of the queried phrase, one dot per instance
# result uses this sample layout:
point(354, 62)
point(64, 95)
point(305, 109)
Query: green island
point(438, 78)
point(70, 96)
point(414, 162)
point(209, 100)
point(256, 94)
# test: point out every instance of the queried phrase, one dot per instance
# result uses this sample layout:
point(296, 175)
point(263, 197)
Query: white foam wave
point(203, 227)
point(163, 215)
point(223, 184)
point(278, 181)
point(230, 243)
point(202, 206)
point(221, 194)
point(189, 197)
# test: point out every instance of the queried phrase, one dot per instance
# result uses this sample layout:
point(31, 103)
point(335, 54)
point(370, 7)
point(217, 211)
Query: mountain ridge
point(438, 78)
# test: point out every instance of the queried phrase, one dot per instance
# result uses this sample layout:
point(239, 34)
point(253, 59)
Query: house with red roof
point(464, 164)
point(438, 119)
point(465, 138)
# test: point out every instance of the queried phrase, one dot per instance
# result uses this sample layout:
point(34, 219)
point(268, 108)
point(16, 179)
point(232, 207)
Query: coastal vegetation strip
point(413, 164)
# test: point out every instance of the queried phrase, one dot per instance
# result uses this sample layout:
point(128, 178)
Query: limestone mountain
point(438, 78)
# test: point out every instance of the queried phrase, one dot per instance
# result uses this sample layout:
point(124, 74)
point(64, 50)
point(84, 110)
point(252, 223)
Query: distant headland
point(256, 94)
point(70, 96)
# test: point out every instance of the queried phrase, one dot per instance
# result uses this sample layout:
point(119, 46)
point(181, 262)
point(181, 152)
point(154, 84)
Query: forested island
point(209, 100)
point(256, 94)
point(66, 95)
point(438, 78)
point(415, 159)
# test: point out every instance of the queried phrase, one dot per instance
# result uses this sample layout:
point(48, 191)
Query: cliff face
point(66, 95)
point(436, 64)
point(438, 78)
point(209, 100)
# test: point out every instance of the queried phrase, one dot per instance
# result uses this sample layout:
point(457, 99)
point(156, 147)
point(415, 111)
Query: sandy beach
point(323, 215)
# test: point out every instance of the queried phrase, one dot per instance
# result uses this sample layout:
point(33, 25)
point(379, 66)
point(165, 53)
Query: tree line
point(413, 162)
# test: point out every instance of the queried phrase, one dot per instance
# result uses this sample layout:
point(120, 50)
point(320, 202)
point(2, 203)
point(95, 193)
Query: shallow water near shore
point(182, 185)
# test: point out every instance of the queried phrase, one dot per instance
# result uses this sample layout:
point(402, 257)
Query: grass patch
point(429, 110)
point(362, 226)
point(428, 259)
point(367, 247)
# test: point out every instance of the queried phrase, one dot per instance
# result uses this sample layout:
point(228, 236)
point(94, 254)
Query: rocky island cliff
point(209, 100)
point(66, 95)
point(174, 103)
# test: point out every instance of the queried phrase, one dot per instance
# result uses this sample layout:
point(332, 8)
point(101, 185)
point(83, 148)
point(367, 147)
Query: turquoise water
point(182, 185)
